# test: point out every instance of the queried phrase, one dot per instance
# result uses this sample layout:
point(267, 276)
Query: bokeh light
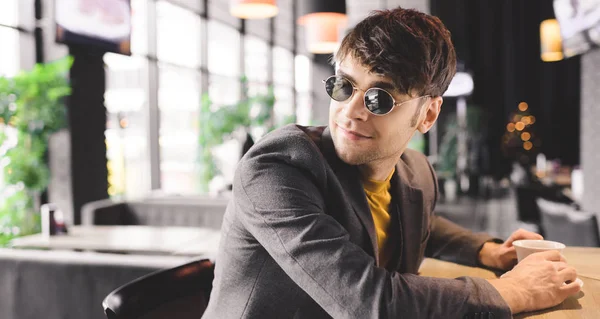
point(520, 126)
point(523, 106)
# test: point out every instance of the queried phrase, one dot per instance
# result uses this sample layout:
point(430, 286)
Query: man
point(334, 222)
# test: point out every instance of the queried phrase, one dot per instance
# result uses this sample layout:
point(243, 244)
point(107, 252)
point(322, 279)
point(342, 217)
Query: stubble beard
point(355, 155)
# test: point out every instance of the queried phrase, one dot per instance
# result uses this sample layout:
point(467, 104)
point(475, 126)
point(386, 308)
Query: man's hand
point(537, 282)
point(504, 256)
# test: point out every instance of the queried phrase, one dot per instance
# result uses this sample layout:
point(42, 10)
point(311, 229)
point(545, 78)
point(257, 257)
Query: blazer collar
point(408, 206)
point(350, 180)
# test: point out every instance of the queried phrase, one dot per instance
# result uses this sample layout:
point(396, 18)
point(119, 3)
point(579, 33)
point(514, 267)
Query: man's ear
point(432, 111)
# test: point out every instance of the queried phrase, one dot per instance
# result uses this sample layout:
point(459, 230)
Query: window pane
point(224, 90)
point(9, 14)
point(127, 125)
point(304, 91)
point(139, 27)
point(256, 59)
point(283, 67)
point(284, 104)
point(178, 35)
point(179, 104)
point(223, 49)
point(303, 74)
point(303, 109)
point(9, 54)
point(255, 88)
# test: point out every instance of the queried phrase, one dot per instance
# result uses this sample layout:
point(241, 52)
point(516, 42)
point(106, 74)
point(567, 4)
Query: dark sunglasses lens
point(339, 88)
point(378, 101)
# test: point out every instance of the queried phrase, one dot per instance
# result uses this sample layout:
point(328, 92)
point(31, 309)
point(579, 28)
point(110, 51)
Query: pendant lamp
point(551, 41)
point(323, 21)
point(253, 9)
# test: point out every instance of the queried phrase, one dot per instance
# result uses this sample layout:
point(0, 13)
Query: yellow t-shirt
point(379, 198)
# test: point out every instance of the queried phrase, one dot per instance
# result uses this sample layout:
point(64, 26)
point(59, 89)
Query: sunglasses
point(377, 101)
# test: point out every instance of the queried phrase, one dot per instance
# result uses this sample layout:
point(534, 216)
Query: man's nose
point(355, 107)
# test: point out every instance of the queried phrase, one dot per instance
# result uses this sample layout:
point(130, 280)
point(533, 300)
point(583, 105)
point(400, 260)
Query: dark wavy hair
point(414, 49)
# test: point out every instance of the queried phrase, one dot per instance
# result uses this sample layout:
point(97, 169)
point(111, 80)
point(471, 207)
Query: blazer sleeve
point(451, 242)
point(454, 243)
point(279, 198)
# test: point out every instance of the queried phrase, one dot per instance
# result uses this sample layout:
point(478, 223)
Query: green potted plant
point(447, 166)
point(31, 108)
point(218, 125)
point(448, 156)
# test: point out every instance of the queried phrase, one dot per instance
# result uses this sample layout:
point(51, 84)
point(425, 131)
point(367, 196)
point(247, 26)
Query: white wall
point(590, 130)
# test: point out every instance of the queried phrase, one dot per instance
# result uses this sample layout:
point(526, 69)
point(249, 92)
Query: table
point(585, 305)
point(152, 240)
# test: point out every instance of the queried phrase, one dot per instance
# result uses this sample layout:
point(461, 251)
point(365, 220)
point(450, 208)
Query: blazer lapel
point(350, 180)
point(409, 207)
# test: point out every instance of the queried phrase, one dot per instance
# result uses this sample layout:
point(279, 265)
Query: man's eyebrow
point(384, 85)
point(377, 84)
point(346, 75)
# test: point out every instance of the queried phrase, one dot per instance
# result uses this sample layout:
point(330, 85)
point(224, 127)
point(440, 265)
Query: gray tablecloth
point(38, 284)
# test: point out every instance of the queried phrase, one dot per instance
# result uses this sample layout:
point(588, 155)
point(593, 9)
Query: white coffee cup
point(526, 247)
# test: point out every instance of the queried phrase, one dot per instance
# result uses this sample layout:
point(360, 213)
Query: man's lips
point(353, 133)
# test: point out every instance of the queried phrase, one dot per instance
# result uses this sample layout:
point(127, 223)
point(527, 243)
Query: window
point(178, 35)
point(223, 49)
point(9, 66)
point(17, 52)
point(283, 66)
point(179, 103)
point(283, 78)
point(9, 13)
point(180, 51)
point(127, 104)
point(256, 59)
point(9, 54)
point(127, 125)
point(195, 54)
point(303, 90)
point(256, 62)
point(223, 63)
point(139, 27)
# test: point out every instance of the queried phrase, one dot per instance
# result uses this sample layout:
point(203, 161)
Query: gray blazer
point(298, 241)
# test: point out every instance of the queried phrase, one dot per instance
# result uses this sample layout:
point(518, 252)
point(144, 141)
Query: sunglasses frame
point(356, 88)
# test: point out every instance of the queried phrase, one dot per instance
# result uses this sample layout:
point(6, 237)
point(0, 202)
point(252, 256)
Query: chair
point(158, 211)
point(527, 209)
point(563, 224)
point(181, 292)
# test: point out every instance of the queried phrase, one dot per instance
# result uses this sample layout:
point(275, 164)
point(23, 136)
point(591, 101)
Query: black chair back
point(527, 209)
point(181, 292)
point(571, 227)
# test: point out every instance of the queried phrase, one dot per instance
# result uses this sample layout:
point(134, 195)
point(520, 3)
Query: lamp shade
point(253, 9)
point(322, 21)
point(551, 41)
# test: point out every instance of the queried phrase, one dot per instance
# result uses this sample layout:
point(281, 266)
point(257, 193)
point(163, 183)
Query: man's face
point(361, 137)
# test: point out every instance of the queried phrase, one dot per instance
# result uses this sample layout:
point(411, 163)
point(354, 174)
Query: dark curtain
point(498, 42)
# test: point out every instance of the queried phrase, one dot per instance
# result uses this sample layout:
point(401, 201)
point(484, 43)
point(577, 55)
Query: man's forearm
point(451, 242)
